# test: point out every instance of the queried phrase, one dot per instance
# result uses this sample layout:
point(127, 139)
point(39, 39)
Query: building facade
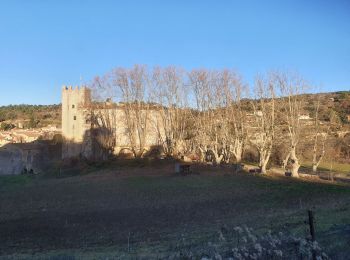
point(86, 125)
point(76, 126)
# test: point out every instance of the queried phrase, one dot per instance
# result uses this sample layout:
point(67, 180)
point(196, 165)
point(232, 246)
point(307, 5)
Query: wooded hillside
point(30, 116)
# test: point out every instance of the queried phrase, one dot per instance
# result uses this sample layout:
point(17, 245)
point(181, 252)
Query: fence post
point(312, 231)
point(311, 225)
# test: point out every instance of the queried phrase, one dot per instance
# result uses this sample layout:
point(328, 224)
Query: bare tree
point(220, 125)
point(291, 88)
point(317, 156)
point(200, 81)
point(217, 125)
point(133, 84)
point(208, 126)
point(102, 118)
point(237, 120)
point(264, 112)
point(168, 90)
point(221, 98)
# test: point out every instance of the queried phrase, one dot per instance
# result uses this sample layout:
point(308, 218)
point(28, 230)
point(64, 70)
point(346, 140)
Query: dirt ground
point(133, 211)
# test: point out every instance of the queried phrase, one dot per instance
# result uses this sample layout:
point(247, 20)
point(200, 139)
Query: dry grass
point(92, 215)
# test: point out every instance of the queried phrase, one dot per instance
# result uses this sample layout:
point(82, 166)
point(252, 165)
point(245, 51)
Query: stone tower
point(76, 125)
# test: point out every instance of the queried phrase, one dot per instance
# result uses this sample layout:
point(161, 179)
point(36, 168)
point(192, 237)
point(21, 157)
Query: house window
point(75, 117)
point(73, 106)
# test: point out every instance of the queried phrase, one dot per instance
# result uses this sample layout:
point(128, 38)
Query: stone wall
point(28, 157)
point(11, 162)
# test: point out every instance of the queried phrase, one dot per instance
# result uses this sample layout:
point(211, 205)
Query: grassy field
point(330, 166)
point(132, 212)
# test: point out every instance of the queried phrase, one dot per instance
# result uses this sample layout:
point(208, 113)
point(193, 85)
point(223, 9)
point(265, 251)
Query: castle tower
point(76, 124)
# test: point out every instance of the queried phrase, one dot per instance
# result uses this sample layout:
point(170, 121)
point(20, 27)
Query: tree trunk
point(264, 160)
point(314, 156)
point(295, 163)
point(315, 162)
point(203, 154)
point(263, 167)
point(295, 169)
point(285, 161)
point(263, 163)
point(218, 158)
point(238, 157)
point(238, 150)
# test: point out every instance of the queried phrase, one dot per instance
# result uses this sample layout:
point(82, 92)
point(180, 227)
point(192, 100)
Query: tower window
point(73, 106)
point(75, 117)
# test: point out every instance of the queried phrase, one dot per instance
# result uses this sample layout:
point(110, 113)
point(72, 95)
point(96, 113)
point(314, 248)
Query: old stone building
point(76, 104)
point(85, 123)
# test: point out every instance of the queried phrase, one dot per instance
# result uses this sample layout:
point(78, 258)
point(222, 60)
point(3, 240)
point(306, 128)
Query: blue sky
point(45, 44)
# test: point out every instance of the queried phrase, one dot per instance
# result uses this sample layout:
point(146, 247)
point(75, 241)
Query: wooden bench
point(255, 170)
point(288, 174)
point(185, 168)
point(182, 168)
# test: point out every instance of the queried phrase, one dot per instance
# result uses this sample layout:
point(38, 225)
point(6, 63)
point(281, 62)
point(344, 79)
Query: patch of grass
point(328, 166)
point(244, 183)
point(14, 181)
point(177, 182)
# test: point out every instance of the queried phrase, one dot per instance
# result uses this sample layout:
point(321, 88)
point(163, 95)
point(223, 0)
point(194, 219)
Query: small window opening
point(75, 117)
point(73, 106)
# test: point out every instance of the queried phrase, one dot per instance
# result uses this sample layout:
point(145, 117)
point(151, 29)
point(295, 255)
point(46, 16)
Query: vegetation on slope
point(30, 115)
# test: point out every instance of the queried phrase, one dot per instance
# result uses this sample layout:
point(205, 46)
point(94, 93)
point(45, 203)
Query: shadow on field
point(148, 208)
point(140, 207)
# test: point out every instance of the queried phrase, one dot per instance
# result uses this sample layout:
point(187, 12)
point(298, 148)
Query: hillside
point(334, 105)
point(30, 116)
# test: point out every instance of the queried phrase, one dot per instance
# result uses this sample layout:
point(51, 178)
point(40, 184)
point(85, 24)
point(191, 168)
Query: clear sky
point(45, 44)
